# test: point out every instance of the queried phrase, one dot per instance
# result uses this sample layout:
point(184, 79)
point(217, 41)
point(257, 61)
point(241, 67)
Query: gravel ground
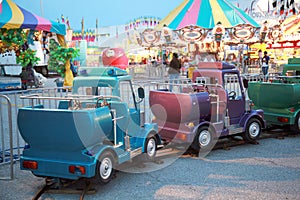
point(270, 170)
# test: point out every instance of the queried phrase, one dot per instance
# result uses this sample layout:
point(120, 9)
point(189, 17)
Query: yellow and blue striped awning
point(206, 14)
point(13, 16)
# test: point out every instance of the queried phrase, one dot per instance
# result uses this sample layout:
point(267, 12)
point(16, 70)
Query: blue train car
point(87, 135)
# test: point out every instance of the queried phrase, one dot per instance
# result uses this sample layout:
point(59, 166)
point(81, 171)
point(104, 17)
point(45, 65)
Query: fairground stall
point(30, 28)
point(284, 39)
point(14, 17)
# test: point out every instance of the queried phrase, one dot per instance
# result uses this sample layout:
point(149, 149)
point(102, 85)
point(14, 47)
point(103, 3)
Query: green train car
point(280, 99)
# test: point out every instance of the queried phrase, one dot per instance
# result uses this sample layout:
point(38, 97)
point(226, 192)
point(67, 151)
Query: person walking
point(174, 70)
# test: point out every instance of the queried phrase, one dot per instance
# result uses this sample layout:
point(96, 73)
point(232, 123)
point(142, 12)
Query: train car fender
point(151, 129)
point(296, 114)
point(258, 114)
point(204, 123)
point(100, 149)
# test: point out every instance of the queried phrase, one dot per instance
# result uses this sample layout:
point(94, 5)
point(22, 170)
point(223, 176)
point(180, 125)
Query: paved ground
point(270, 170)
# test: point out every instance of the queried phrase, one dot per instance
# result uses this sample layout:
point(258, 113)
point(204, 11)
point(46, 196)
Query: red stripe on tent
point(43, 24)
point(191, 16)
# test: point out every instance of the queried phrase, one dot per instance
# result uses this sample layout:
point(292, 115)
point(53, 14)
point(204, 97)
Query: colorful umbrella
point(206, 14)
point(13, 16)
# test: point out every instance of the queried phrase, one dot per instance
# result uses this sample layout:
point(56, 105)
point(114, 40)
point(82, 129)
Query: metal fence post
point(9, 115)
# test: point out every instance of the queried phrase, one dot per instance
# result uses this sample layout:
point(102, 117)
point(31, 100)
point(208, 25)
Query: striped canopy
point(13, 16)
point(206, 14)
point(291, 25)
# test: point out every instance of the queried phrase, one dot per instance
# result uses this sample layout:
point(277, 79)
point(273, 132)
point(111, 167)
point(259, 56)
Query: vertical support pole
point(9, 115)
point(115, 126)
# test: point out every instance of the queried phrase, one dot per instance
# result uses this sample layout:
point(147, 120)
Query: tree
point(59, 57)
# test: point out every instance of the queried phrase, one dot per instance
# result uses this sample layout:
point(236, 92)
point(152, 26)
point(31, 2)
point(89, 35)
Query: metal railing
point(253, 77)
point(75, 101)
point(148, 71)
point(6, 150)
point(11, 141)
point(159, 71)
point(182, 85)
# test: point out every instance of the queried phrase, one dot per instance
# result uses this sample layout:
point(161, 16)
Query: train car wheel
point(204, 139)
point(151, 148)
point(253, 130)
point(105, 168)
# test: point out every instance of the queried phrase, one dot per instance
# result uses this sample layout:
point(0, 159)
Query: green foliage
point(59, 56)
point(16, 36)
point(26, 57)
point(11, 39)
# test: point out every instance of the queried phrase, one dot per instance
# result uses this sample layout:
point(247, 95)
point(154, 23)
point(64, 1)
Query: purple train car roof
point(215, 65)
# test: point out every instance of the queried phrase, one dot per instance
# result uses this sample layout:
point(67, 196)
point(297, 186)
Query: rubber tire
point(196, 145)
point(296, 126)
point(247, 134)
point(151, 157)
point(108, 159)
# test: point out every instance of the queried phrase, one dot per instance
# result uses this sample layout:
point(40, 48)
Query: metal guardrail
point(11, 147)
point(74, 100)
point(11, 142)
point(147, 71)
point(256, 69)
point(3, 148)
point(162, 84)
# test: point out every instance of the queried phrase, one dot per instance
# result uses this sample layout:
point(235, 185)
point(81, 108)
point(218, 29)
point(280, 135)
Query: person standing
point(174, 70)
point(186, 66)
point(30, 75)
point(265, 63)
point(24, 78)
point(45, 46)
point(37, 47)
point(260, 58)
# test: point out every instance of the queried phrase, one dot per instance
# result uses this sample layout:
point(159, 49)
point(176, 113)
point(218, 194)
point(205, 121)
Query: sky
point(109, 12)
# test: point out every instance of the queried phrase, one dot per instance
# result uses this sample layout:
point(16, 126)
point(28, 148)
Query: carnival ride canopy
point(291, 25)
point(13, 16)
point(206, 14)
point(208, 23)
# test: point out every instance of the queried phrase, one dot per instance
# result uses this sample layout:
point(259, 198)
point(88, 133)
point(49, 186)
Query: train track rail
point(58, 186)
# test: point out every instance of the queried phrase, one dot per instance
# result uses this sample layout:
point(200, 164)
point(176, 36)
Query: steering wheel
point(232, 95)
point(101, 102)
